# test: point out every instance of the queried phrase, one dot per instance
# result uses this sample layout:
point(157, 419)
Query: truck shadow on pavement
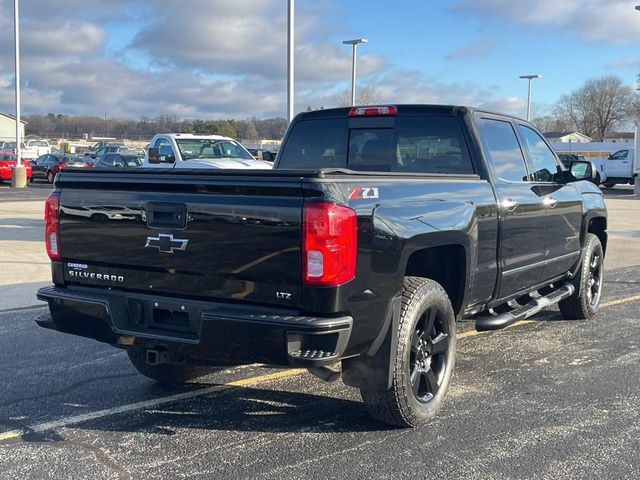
point(239, 409)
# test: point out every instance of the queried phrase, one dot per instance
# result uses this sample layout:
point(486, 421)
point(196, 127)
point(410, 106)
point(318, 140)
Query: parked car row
point(171, 150)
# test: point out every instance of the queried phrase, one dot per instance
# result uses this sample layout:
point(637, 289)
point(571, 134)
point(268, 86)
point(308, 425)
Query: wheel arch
point(598, 226)
point(446, 264)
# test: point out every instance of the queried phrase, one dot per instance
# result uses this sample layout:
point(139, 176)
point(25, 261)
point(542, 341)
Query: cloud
point(475, 50)
point(632, 62)
point(610, 21)
point(214, 59)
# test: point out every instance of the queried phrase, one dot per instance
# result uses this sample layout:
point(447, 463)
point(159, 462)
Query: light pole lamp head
point(355, 41)
point(531, 77)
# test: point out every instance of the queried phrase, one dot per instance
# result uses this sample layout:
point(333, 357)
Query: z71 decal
point(356, 193)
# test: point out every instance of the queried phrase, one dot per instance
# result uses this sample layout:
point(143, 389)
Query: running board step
point(496, 322)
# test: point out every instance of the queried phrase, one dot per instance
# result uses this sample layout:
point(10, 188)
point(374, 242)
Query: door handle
point(509, 204)
point(550, 202)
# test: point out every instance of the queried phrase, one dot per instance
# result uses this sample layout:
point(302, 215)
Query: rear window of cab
point(416, 144)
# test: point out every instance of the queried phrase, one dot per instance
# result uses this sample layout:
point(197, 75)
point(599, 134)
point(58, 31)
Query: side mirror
point(154, 155)
point(582, 170)
point(169, 159)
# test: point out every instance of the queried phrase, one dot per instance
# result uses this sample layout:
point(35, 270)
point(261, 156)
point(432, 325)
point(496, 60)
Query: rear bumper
point(206, 332)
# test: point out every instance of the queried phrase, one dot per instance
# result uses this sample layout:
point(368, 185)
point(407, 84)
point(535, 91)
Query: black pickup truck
point(377, 229)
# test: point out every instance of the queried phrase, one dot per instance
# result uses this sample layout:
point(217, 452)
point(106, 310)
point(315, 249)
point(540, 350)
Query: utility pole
point(19, 173)
point(530, 78)
point(290, 60)
point(354, 43)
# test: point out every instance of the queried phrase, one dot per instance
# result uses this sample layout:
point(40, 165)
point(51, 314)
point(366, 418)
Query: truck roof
point(191, 135)
point(406, 109)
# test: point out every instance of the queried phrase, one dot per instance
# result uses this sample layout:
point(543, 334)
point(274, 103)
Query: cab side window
point(620, 155)
point(502, 148)
point(543, 161)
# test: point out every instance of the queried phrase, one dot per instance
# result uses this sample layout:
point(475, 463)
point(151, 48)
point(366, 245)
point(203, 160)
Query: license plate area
point(164, 316)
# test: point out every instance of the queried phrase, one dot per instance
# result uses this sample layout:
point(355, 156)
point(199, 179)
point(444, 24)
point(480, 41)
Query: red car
point(7, 162)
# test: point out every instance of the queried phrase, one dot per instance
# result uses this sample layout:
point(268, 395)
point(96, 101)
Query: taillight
point(329, 244)
point(373, 111)
point(51, 225)
point(61, 165)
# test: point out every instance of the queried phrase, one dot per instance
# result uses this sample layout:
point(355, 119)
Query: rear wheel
point(164, 374)
point(609, 184)
point(585, 302)
point(425, 357)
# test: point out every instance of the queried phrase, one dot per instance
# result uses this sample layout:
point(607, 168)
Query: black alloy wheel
point(588, 282)
point(429, 354)
point(594, 282)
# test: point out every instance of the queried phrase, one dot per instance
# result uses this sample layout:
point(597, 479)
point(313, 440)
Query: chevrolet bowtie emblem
point(166, 243)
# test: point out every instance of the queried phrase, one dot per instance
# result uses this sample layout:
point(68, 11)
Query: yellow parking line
point(41, 427)
point(154, 402)
point(620, 301)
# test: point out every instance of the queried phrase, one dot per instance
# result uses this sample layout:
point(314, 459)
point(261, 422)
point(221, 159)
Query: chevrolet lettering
point(95, 276)
point(376, 230)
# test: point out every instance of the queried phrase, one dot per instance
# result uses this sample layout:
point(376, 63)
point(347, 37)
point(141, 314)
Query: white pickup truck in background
point(618, 168)
point(616, 163)
point(182, 150)
point(40, 147)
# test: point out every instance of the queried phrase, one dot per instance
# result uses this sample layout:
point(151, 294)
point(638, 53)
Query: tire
point(50, 176)
point(609, 184)
point(585, 302)
point(421, 371)
point(164, 374)
point(597, 180)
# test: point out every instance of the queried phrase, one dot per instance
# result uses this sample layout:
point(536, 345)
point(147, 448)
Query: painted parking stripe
point(64, 422)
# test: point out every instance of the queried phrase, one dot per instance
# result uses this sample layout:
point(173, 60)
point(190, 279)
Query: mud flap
point(374, 369)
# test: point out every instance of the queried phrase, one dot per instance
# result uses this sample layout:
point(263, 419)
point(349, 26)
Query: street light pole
point(529, 78)
point(16, 29)
point(354, 43)
point(290, 60)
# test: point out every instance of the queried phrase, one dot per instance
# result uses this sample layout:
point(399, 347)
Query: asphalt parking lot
point(547, 398)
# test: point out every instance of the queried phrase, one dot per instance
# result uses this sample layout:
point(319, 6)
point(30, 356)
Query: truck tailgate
point(213, 237)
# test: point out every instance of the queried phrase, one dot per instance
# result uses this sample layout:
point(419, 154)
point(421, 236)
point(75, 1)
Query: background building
point(619, 137)
point(566, 137)
point(8, 128)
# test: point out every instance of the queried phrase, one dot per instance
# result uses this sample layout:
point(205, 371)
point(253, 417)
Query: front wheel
point(425, 357)
point(609, 184)
point(584, 303)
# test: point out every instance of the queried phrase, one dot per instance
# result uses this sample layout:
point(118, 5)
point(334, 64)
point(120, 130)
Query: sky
point(227, 59)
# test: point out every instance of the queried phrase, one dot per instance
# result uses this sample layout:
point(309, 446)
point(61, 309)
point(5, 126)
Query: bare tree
point(367, 95)
point(552, 123)
point(598, 107)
